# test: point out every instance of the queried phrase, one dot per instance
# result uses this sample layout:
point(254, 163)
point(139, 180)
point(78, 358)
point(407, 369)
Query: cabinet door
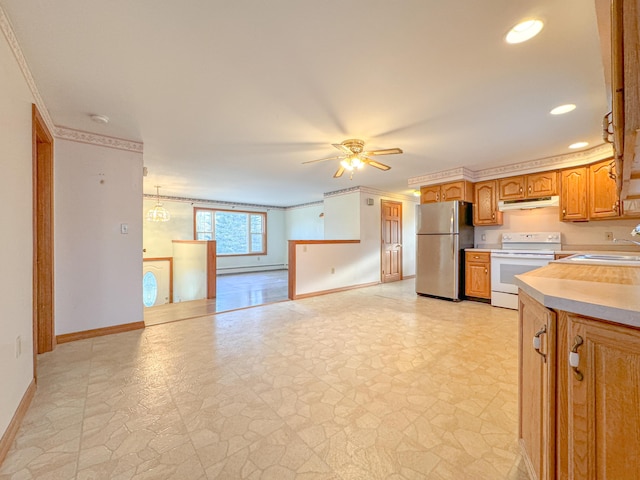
point(512, 188)
point(603, 193)
point(536, 400)
point(604, 407)
point(430, 194)
point(573, 200)
point(477, 282)
point(461, 190)
point(542, 184)
point(485, 211)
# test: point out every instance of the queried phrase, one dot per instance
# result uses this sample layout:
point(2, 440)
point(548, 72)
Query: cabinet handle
point(564, 212)
point(493, 215)
point(574, 357)
point(444, 196)
point(529, 188)
point(486, 271)
point(536, 342)
point(437, 197)
point(520, 189)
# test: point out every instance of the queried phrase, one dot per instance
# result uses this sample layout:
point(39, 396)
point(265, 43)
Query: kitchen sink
point(608, 259)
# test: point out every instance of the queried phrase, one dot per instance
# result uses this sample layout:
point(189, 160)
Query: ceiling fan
point(354, 157)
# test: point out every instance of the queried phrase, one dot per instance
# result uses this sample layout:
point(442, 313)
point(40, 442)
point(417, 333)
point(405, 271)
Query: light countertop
point(600, 291)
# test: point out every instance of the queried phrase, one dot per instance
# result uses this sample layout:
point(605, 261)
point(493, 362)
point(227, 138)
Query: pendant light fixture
point(158, 213)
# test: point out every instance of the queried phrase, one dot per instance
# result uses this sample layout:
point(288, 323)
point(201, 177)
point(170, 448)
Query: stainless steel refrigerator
point(444, 230)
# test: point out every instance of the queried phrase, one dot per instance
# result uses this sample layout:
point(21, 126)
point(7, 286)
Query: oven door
point(504, 267)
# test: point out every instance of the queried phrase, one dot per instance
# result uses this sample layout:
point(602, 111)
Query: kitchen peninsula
point(579, 370)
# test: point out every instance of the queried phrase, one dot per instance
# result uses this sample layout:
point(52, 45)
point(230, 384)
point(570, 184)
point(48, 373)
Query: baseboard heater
point(251, 268)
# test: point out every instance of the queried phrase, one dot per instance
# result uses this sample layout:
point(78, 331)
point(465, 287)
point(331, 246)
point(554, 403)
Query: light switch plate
point(124, 228)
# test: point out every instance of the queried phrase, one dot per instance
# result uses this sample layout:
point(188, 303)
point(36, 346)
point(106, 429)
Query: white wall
point(575, 235)
point(157, 237)
point(98, 270)
point(305, 222)
point(342, 216)
point(16, 238)
point(189, 271)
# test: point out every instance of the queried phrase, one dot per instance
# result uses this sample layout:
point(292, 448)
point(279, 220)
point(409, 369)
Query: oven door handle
point(522, 256)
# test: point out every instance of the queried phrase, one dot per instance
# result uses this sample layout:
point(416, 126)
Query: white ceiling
point(230, 97)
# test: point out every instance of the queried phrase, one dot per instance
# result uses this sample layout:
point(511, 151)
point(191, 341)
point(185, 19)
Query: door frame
point(164, 259)
point(382, 249)
point(43, 236)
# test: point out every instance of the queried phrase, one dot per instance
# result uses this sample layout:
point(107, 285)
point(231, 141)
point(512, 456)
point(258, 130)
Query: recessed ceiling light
point(578, 145)
point(569, 107)
point(100, 119)
point(524, 31)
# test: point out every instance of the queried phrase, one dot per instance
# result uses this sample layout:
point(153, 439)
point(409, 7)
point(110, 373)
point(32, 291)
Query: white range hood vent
point(528, 204)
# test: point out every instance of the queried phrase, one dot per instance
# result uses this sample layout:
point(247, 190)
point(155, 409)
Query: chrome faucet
point(634, 232)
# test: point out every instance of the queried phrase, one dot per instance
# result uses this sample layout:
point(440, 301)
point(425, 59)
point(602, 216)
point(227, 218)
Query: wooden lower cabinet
point(477, 275)
point(536, 387)
point(582, 422)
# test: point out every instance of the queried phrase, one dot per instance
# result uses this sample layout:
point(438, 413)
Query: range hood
point(528, 203)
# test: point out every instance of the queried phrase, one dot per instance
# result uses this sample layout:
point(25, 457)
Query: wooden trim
point(189, 241)
point(163, 259)
point(43, 237)
point(334, 290)
point(634, 176)
point(211, 269)
point(12, 430)
point(313, 242)
point(99, 332)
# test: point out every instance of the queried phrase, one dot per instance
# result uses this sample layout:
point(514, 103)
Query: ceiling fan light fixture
point(346, 164)
point(524, 31)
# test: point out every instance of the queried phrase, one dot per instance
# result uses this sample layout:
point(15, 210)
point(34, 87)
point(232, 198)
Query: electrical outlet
point(124, 228)
point(18, 346)
point(483, 237)
point(608, 236)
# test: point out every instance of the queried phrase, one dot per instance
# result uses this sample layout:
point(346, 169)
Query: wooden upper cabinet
point(534, 185)
point(603, 192)
point(461, 190)
point(430, 194)
point(543, 184)
point(512, 188)
point(573, 194)
point(485, 204)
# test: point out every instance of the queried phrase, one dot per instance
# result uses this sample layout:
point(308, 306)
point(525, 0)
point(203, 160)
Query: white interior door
point(156, 282)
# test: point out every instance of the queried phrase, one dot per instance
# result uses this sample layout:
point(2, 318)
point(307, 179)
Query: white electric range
point(520, 253)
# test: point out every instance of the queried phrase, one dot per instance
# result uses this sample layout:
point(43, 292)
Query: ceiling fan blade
point(339, 172)
point(386, 151)
point(343, 148)
point(379, 165)
point(323, 159)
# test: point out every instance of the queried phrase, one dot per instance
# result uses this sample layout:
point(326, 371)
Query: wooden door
point(391, 241)
point(573, 200)
point(511, 188)
point(603, 193)
point(604, 407)
point(536, 400)
point(157, 281)
point(542, 184)
point(430, 194)
point(43, 267)
point(485, 204)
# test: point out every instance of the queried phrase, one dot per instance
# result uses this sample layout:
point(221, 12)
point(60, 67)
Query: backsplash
point(575, 235)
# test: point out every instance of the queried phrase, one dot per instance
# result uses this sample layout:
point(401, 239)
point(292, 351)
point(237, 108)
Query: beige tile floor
point(374, 383)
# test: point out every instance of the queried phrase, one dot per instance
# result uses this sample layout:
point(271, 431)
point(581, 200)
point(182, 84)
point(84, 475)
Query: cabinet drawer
point(479, 256)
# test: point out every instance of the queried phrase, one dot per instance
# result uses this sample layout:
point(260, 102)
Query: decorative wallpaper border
point(531, 166)
point(81, 136)
point(7, 30)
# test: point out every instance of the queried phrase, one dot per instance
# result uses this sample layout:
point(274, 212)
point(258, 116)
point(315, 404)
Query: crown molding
point(193, 201)
point(531, 166)
point(81, 136)
point(7, 30)
point(394, 196)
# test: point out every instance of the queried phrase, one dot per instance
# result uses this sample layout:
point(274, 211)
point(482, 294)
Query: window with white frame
point(235, 232)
